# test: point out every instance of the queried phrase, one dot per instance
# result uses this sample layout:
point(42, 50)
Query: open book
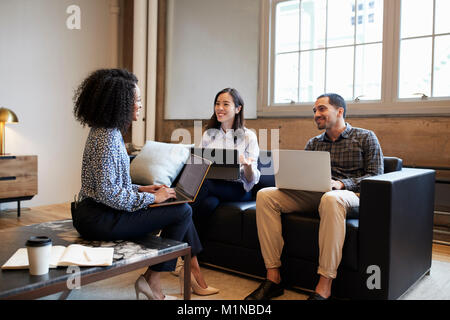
point(73, 255)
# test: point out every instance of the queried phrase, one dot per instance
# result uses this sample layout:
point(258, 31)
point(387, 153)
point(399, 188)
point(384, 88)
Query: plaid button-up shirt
point(355, 155)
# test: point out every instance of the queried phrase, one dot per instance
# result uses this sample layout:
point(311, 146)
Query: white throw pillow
point(159, 163)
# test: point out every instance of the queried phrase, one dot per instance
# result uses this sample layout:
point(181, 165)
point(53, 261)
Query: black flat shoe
point(266, 290)
point(316, 296)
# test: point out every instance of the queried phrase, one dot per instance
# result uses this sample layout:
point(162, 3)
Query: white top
point(244, 140)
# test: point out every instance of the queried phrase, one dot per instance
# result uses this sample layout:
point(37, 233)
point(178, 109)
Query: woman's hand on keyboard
point(151, 189)
point(163, 194)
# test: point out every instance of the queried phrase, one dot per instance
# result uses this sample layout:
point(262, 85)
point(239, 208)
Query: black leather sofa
point(392, 231)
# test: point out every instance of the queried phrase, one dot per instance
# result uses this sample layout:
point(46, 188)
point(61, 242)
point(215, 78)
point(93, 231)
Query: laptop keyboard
point(178, 198)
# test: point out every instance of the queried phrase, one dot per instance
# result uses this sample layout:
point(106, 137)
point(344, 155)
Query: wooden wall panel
point(418, 141)
point(127, 45)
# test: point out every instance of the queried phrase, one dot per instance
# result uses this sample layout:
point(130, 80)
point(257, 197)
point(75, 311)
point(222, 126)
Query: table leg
point(65, 294)
point(18, 209)
point(187, 276)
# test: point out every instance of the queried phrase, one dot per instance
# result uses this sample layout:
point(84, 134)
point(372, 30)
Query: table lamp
point(6, 116)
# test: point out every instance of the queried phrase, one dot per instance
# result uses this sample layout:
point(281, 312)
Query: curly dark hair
point(105, 99)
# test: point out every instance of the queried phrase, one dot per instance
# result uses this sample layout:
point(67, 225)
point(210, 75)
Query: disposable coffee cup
point(39, 252)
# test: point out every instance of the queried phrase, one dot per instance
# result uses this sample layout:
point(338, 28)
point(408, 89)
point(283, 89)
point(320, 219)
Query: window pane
point(441, 84)
point(312, 75)
point(371, 27)
point(287, 26)
point(341, 27)
point(368, 71)
point(340, 72)
point(313, 18)
point(416, 18)
point(442, 20)
point(286, 78)
point(415, 68)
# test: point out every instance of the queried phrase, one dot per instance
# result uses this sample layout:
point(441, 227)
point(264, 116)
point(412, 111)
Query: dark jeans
point(96, 221)
point(212, 193)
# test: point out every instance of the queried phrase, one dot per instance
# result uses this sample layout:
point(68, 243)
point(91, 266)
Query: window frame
point(389, 104)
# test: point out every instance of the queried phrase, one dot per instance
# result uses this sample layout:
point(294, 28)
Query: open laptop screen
point(192, 176)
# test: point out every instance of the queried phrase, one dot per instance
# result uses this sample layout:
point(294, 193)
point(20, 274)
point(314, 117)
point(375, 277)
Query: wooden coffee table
point(128, 256)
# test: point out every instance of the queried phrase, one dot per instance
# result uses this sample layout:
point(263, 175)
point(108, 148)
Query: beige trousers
point(332, 207)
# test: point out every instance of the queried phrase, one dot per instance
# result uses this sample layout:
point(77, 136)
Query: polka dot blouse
point(105, 173)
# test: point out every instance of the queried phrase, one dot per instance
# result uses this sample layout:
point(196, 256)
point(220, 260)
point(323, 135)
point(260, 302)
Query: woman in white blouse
point(226, 130)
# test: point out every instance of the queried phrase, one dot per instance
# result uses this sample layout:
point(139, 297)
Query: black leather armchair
point(387, 247)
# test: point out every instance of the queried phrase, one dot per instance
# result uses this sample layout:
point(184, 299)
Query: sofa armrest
point(396, 227)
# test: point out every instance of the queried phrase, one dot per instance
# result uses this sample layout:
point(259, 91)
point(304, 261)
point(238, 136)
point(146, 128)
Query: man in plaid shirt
point(355, 154)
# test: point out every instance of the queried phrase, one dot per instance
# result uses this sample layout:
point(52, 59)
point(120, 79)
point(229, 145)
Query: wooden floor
point(9, 219)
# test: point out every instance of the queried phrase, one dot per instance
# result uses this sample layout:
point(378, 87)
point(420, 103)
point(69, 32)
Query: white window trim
point(389, 105)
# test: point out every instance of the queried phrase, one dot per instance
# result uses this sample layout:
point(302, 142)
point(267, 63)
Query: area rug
point(436, 286)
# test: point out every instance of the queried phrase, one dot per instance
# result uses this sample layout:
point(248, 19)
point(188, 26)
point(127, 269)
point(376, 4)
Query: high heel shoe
point(141, 286)
point(195, 286)
point(202, 291)
point(180, 264)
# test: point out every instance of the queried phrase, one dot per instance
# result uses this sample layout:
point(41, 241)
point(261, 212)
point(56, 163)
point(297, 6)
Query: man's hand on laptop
point(337, 185)
point(164, 193)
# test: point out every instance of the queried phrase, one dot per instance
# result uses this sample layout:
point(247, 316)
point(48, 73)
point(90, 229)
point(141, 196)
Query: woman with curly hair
point(110, 207)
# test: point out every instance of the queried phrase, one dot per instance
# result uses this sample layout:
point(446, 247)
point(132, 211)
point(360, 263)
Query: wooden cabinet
point(18, 178)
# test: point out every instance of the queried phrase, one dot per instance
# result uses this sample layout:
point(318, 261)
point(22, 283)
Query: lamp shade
point(8, 116)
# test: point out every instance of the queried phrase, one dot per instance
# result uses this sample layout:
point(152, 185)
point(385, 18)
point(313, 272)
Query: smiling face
point(226, 110)
point(326, 115)
point(137, 103)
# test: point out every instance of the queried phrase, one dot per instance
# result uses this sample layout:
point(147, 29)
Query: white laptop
point(303, 170)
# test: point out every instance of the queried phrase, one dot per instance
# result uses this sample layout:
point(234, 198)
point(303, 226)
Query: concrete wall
point(211, 45)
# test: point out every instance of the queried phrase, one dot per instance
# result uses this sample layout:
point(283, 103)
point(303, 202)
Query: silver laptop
point(303, 170)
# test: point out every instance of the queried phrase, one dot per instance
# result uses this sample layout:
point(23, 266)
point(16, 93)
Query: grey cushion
point(159, 163)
